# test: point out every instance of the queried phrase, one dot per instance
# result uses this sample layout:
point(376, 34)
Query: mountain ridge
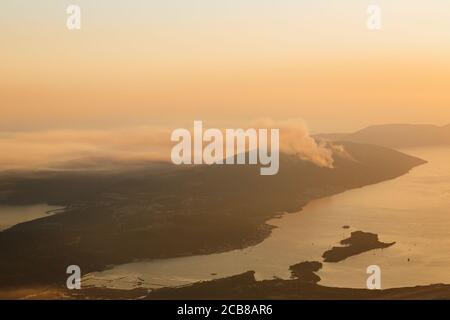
point(400, 135)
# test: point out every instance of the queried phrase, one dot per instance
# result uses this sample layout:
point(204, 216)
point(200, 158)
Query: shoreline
point(265, 234)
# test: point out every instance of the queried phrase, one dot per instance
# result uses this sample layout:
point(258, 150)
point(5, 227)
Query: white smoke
point(295, 140)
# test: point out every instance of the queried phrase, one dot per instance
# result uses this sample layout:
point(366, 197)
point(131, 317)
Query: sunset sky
point(224, 62)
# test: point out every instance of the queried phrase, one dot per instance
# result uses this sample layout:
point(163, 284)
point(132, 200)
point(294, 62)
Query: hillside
point(396, 135)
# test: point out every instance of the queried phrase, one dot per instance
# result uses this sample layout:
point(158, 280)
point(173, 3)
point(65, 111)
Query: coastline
point(224, 226)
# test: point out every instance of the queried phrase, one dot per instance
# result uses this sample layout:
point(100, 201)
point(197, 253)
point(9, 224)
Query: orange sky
point(144, 62)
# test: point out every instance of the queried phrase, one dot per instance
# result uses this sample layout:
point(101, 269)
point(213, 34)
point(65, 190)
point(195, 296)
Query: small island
point(358, 242)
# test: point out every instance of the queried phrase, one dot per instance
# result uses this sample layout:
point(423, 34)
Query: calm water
point(12, 215)
point(413, 210)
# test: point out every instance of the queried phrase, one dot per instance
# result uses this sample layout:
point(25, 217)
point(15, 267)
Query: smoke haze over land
point(103, 149)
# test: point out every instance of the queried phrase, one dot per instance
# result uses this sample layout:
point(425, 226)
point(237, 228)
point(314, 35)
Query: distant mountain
point(396, 135)
point(118, 217)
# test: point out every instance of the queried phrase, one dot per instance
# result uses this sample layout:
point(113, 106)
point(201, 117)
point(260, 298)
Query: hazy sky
point(225, 62)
